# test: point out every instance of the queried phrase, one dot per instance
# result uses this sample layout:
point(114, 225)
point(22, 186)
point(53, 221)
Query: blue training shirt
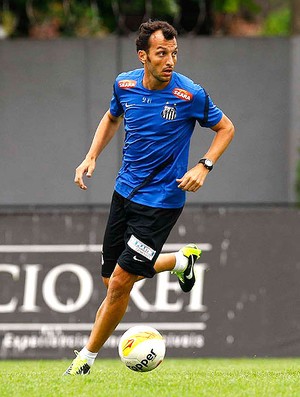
point(158, 128)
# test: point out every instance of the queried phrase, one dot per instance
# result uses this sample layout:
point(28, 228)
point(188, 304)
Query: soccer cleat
point(79, 366)
point(187, 277)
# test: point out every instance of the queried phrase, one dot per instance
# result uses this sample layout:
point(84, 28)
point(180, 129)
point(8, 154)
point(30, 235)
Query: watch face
point(207, 163)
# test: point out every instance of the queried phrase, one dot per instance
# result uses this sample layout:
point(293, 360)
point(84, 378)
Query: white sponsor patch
point(141, 248)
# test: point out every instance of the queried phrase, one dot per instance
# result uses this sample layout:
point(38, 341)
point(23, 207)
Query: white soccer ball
point(142, 348)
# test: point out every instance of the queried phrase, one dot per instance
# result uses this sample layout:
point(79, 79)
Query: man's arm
point(106, 129)
point(193, 179)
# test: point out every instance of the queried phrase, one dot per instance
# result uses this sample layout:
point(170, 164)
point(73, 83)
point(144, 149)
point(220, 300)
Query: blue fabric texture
point(158, 128)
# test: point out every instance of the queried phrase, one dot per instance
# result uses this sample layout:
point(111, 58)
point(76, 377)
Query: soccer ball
point(142, 348)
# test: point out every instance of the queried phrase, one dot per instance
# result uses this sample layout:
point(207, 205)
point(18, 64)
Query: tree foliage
point(278, 23)
point(235, 6)
point(88, 18)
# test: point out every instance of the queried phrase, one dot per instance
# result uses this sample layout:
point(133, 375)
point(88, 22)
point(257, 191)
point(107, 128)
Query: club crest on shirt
point(169, 112)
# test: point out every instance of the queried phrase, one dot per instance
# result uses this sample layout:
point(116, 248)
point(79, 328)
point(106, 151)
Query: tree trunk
point(295, 16)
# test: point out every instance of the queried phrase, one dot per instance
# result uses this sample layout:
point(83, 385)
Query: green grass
point(180, 377)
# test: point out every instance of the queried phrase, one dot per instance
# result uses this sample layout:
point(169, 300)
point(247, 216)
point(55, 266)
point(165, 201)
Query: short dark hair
point(147, 28)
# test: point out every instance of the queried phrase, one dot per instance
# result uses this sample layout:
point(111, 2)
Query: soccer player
point(159, 108)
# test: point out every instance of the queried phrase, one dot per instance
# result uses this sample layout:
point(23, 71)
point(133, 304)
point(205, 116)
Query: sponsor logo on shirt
point(127, 83)
point(169, 112)
point(182, 94)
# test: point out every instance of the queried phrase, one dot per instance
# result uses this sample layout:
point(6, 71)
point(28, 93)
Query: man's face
point(161, 58)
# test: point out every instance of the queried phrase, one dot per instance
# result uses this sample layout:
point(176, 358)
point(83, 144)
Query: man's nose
point(170, 60)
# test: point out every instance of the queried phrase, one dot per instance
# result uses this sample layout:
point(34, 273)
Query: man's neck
point(154, 84)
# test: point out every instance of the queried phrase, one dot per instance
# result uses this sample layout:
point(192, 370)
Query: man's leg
point(112, 309)
point(165, 262)
point(181, 264)
point(175, 261)
point(115, 304)
point(108, 317)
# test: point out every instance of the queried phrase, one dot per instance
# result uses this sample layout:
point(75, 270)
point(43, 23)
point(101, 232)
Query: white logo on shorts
point(137, 259)
point(141, 248)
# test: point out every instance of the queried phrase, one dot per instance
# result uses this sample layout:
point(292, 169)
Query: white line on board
point(84, 247)
point(88, 326)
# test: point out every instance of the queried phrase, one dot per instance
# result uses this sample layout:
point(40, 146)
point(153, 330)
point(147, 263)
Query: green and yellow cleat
point(79, 366)
point(186, 278)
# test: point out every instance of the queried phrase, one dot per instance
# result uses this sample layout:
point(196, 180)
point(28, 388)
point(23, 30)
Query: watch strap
point(208, 164)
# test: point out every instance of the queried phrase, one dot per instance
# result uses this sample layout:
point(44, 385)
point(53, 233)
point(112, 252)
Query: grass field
point(180, 377)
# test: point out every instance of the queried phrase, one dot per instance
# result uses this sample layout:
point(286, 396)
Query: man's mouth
point(168, 71)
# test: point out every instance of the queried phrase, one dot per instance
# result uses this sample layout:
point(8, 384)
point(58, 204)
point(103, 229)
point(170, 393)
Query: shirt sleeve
point(206, 112)
point(116, 108)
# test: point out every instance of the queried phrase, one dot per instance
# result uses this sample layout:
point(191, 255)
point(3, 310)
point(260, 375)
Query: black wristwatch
point(207, 164)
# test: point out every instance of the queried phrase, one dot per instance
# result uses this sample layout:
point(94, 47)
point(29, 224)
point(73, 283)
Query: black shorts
point(135, 235)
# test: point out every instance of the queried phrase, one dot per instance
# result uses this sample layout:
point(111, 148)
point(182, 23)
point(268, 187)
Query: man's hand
point(85, 168)
point(193, 179)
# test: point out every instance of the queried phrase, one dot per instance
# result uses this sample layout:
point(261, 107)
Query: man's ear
point(142, 56)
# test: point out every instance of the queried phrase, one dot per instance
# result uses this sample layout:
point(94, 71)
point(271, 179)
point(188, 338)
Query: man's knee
point(120, 283)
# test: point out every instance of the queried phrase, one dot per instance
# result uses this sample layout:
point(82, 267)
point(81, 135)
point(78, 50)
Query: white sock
point(89, 356)
point(181, 262)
